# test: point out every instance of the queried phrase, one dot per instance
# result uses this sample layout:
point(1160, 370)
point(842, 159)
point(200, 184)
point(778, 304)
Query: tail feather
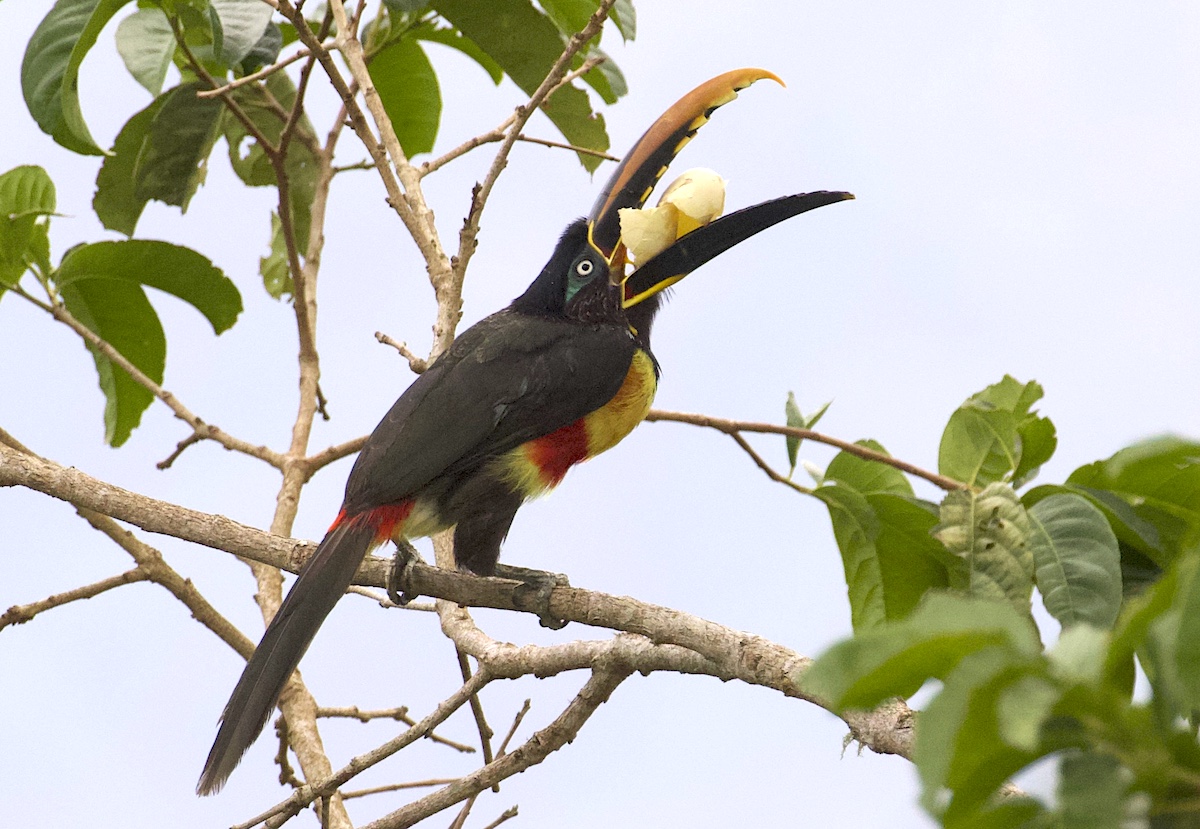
point(321, 583)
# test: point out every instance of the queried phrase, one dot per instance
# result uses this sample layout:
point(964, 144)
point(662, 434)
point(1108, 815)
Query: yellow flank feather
point(609, 424)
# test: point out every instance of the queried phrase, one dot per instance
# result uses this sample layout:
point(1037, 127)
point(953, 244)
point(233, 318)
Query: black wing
point(506, 380)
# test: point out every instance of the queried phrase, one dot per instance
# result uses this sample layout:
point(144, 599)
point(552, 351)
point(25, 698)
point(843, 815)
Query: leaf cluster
point(943, 592)
point(162, 152)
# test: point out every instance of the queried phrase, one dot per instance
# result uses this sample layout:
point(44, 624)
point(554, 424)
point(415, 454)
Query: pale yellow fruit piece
point(648, 231)
point(700, 196)
point(692, 200)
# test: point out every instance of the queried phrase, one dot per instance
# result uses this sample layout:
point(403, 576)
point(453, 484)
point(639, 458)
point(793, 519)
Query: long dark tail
point(321, 583)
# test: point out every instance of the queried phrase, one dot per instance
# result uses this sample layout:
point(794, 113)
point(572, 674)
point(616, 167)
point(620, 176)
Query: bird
point(562, 374)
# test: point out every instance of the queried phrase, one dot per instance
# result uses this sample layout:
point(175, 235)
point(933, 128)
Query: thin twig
point(386, 603)
point(499, 133)
point(512, 729)
point(226, 97)
point(417, 364)
point(358, 165)
point(564, 146)
point(19, 614)
point(396, 787)
point(766, 467)
point(733, 427)
point(166, 462)
point(507, 814)
point(206, 431)
point(701, 646)
point(485, 730)
point(398, 714)
point(265, 72)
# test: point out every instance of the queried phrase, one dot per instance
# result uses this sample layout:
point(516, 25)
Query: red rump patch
point(384, 520)
point(555, 453)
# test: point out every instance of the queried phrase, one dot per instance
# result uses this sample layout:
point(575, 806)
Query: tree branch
point(733, 427)
point(727, 654)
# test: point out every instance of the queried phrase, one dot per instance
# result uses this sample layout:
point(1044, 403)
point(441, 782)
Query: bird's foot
point(402, 563)
point(533, 594)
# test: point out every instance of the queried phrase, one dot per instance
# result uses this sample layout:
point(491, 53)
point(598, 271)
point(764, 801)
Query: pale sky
point(1028, 192)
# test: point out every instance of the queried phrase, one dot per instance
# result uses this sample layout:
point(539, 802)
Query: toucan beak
point(642, 167)
point(704, 243)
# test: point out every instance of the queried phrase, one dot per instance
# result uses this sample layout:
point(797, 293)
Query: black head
point(575, 283)
point(578, 281)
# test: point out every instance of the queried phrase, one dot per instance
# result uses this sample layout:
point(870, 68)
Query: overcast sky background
point(1028, 196)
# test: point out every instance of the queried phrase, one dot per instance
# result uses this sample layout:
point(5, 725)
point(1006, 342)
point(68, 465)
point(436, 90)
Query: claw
point(402, 563)
point(534, 591)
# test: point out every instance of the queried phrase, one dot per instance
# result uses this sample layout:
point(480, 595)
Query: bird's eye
point(585, 267)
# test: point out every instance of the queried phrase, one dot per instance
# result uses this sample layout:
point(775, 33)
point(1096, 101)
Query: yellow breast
point(609, 424)
point(540, 464)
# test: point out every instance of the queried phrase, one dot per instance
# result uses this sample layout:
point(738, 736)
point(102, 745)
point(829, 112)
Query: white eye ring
point(584, 268)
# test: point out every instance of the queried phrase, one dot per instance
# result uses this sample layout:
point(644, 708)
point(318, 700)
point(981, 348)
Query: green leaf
point(1187, 642)
point(146, 43)
point(1091, 791)
point(1013, 812)
point(117, 203)
point(1142, 611)
point(570, 16)
point(1130, 528)
point(243, 23)
point(406, 6)
point(606, 78)
point(990, 531)
point(26, 191)
point(1079, 655)
point(979, 445)
point(1022, 708)
point(50, 69)
point(178, 271)
point(161, 153)
point(409, 90)
point(1011, 395)
point(274, 267)
point(1160, 479)
point(1078, 565)
point(888, 555)
point(1039, 439)
point(1159, 658)
point(122, 316)
point(898, 658)
point(525, 44)
point(625, 17)
point(960, 746)
point(820, 413)
point(855, 528)
point(26, 194)
point(174, 157)
point(265, 51)
point(995, 435)
point(454, 39)
point(101, 285)
point(868, 476)
point(795, 420)
point(911, 561)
